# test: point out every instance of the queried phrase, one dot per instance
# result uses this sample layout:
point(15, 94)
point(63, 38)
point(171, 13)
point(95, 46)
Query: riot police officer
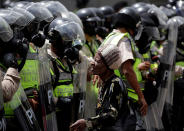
point(127, 24)
point(63, 53)
point(10, 81)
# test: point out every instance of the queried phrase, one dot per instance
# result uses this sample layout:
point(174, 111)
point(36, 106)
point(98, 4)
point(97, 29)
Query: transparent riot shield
point(23, 111)
point(2, 119)
point(165, 70)
point(169, 98)
point(91, 96)
point(152, 120)
point(46, 92)
point(79, 92)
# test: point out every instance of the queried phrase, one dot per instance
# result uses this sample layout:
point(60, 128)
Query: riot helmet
point(11, 16)
point(64, 37)
point(99, 14)
point(89, 19)
point(6, 33)
point(143, 9)
point(75, 18)
point(149, 19)
point(139, 4)
point(162, 17)
point(42, 18)
point(172, 2)
point(21, 4)
point(168, 11)
point(129, 19)
point(70, 33)
point(100, 29)
point(25, 19)
point(56, 8)
point(40, 12)
point(179, 21)
point(119, 5)
point(8, 3)
point(149, 33)
point(180, 8)
point(108, 12)
point(160, 14)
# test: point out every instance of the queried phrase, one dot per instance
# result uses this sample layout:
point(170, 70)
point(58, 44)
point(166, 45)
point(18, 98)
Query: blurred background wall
point(72, 4)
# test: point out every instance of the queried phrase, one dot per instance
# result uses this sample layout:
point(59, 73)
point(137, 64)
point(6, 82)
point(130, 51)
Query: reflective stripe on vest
point(116, 37)
point(30, 73)
point(180, 63)
point(92, 48)
point(64, 90)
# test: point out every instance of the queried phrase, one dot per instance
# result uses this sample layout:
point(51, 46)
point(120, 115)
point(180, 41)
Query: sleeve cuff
point(13, 72)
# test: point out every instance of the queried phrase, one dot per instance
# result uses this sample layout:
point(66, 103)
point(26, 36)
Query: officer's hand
point(144, 106)
point(23, 48)
point(72, 54)
point(79, 125)
point(34, 103)
point(144, 66)
point(9, 60)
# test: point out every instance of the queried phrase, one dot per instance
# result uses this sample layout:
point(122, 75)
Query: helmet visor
point(40, 12)
point(160, 14)
point(56, 8)
point(26, 17)
point(75, 18)
point(153, 32)
point(10, 16)
point(69, 31)
point(6, 32)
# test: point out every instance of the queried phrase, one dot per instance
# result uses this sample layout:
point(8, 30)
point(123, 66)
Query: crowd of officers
point(95, 69)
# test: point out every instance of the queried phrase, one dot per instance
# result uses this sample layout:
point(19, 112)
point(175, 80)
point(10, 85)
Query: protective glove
point(72, 54)
point(19, 46)
point(23, 48)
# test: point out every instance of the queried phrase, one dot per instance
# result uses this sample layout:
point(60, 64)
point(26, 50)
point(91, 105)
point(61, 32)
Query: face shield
point(148, 34)
point(21, 4)
point(153, 33)
point(26, 17)
point(11, 17)
point(93, 21)
point(68, 31)
point(40, 12)
point(138, 31)
point(161, 16)
point(92, 24)
point(56, 8)
point(6, 32)
point(75, 18)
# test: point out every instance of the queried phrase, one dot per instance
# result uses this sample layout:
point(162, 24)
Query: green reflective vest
point(65, 85)
point(115, 38)
point(180, 63)
point(30, 73)
point(90, 48)
point(13, 104)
